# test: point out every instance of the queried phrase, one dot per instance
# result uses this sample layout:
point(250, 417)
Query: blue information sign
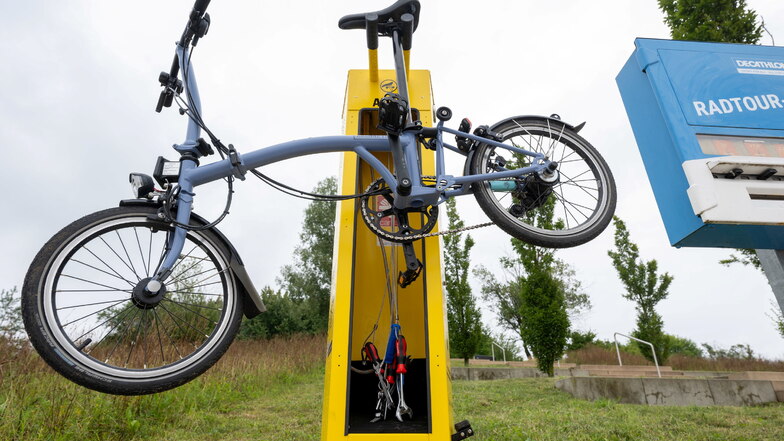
point(709, 123)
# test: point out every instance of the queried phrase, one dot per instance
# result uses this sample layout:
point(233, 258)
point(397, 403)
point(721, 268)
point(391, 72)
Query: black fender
point(494, 127)
point(252, 304)
point(576, 128)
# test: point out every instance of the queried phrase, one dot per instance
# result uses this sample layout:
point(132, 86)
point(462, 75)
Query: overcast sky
point(78, 86)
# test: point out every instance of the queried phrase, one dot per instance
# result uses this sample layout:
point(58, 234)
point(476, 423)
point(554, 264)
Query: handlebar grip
point(371, 26)
point(407, 36)
point(201, 6)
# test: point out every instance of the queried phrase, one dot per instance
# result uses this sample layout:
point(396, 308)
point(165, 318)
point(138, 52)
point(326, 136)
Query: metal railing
point(492, 349)
point(618, 351)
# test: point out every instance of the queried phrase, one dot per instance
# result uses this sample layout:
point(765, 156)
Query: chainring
point(390, 223)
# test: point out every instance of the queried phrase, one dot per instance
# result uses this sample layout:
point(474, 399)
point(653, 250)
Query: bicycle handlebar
point(197, 26)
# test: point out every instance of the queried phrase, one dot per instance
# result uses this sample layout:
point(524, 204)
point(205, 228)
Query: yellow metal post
point(373, 64)
point(358, 294)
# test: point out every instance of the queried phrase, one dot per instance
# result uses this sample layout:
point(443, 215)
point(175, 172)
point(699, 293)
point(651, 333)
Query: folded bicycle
point(146, 296)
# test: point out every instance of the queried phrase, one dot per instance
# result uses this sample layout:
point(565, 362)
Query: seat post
point(401, 70)
point(371, 27)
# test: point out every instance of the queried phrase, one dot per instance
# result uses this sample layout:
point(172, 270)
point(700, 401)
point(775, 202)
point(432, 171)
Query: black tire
point(582, 200)
point(136, 345)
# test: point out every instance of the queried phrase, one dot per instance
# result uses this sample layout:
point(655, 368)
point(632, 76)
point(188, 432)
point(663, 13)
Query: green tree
point(578, 340)
point(309, 278)
point(540, 292)
point(744, 257)
point(684, 346)
point(738, 352)
point(728, 21)
point(465, 320)
point(547, 323)
point(645, 287)
point(284, 316)
point(10, 314)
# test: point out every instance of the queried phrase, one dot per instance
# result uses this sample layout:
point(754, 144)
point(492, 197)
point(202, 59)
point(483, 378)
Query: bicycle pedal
point(408, 277)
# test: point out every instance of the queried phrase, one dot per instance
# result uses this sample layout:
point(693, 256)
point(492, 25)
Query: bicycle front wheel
point(87, 314)
point(568, 211)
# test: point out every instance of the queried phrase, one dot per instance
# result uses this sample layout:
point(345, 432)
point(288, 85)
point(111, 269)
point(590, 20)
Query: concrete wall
point(670, 391)
point(469, 373)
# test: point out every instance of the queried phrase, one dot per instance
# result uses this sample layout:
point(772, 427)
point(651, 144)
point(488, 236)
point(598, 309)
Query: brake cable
point(196, 117)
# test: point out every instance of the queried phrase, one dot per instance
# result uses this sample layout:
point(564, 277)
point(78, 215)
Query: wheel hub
point(144, 299)
point(533, 193)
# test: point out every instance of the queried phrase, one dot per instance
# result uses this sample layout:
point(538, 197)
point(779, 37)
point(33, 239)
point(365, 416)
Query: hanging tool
point(384, 395)
point(401, 360)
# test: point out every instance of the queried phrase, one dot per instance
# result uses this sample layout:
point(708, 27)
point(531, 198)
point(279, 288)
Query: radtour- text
point(723, 106)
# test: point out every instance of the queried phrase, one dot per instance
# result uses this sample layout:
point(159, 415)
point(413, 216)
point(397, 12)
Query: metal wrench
point(401, 359)
point(402, 408)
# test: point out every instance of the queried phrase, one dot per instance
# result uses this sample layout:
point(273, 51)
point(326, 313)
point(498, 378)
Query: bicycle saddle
point(386, 17)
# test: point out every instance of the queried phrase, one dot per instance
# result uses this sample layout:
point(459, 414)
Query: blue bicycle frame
point(404, 149)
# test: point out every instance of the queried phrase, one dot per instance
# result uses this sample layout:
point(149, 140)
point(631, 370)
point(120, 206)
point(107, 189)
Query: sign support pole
point(773, 265)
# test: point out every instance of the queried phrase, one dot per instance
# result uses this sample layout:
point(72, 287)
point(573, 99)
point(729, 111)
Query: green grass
point(532, 409)
point(272, 391)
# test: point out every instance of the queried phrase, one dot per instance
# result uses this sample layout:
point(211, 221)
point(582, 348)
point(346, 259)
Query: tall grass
point(38, 404)
point(592, 354)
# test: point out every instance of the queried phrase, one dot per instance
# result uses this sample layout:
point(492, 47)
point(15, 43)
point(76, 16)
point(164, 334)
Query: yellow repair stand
point(359, 285)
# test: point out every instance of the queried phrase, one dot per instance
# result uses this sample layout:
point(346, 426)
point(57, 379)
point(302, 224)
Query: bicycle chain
point(383, 234)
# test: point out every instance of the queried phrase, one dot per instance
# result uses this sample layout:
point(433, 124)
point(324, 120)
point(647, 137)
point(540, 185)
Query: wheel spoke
point(194, 305)
point(130, 261)
point(136, 339)
point(575, 206)
point(105, 272)
point(210, 277)
point(160, 340)
point(93, 283)
point(566, 210)
point(585, 189)
point(182, 259)
point(182, 274)
point(175, 317)
point(122, 311)
point(88, 304)
point(169, 335)
point(118, 256)
point(196, 293)
point(190, 310)
point(122, 337)
point(141, 253)
point(145, 341)
point(110, 268)
point(149, 254)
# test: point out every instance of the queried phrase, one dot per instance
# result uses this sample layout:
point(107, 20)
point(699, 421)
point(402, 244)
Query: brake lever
point(201, 29)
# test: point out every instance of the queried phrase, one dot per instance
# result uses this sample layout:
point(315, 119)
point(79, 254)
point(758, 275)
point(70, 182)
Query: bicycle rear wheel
point(570, 211)
point(86, 312)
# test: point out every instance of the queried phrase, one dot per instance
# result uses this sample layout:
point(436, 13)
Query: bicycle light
point(167, 171)
point(141, 184)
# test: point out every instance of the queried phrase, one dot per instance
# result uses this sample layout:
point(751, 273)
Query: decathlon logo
point(724, 106)
point(760, 67)
point(388, 86)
